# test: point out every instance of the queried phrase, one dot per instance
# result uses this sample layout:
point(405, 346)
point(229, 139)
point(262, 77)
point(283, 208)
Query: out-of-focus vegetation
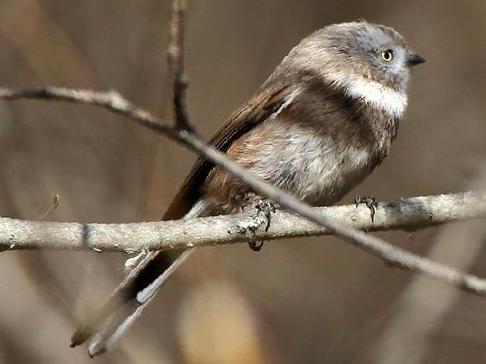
point(309, 300)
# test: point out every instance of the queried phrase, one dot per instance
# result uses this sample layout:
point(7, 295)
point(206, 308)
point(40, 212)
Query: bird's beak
point(414, 59)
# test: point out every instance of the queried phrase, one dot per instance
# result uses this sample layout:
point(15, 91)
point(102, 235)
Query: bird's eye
point(387, 55)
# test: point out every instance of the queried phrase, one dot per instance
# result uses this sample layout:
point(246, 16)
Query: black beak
point(414, 59)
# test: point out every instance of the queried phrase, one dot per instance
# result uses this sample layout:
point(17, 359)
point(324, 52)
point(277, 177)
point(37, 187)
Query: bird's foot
point(370, 202)
point(267, 208)
point(262, 217)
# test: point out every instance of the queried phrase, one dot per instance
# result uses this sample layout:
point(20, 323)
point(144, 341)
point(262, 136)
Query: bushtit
point(322, 121)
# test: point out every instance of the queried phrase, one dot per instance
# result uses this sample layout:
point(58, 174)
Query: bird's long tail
point(120, 310)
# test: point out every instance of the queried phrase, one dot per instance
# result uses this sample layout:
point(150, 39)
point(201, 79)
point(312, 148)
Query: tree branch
point(408, 214)
point(114, 102)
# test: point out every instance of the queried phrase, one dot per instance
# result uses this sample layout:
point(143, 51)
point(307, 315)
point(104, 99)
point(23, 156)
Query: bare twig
point(56, 200)
point(175, 55)
point(114, 102)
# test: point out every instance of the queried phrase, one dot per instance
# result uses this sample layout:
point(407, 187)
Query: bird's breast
point(316, 167)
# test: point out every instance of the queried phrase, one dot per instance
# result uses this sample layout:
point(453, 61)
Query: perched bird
point(322, 121)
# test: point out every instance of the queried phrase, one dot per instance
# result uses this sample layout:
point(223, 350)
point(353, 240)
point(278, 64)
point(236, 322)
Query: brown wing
point(123, 301)
point(259, 108)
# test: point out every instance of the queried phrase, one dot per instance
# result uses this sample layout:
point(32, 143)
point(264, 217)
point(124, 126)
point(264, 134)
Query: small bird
point(322, 121)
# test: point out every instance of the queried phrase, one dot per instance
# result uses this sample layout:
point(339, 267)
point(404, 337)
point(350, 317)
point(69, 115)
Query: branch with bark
point(408, 214)
point(116, 103)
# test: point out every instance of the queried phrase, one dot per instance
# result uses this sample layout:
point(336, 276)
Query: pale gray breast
point(310, 164)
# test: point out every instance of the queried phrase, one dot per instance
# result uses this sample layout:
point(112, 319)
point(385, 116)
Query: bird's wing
point(122, 308)
point(253, 113)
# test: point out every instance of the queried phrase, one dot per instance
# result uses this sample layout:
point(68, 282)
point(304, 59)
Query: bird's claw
point(370, 202)
point(266, 208)
point(256, 246)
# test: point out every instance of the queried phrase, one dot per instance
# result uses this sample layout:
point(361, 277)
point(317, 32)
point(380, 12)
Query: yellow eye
point(387, 55)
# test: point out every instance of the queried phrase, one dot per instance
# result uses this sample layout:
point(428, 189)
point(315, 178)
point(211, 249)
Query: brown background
point(309, 300)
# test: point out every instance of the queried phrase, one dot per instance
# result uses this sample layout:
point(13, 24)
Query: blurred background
point(302, 301)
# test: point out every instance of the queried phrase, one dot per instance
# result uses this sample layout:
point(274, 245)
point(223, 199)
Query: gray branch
point(405, 214)
point(380, 248)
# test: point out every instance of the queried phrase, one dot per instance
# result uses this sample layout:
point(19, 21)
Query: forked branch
point(393, 255)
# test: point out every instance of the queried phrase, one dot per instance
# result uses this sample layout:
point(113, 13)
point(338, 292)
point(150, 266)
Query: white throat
point(393, 102)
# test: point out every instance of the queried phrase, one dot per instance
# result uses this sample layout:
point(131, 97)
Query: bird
point(319, 124)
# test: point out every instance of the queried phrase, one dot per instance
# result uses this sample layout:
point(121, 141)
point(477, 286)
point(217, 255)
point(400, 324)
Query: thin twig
point(56, 200)
point(380, 248)
point(175, 55)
